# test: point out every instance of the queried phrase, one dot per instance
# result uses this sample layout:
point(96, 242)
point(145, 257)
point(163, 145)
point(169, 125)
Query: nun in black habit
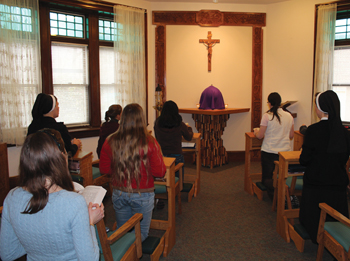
point(325, 151)
point(44, 112)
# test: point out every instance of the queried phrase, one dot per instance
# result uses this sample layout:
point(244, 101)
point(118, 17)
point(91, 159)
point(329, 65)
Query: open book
point(188, 145)
point(94, 194)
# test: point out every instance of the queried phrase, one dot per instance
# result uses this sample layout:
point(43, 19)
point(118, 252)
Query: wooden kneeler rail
point(252, 144)
point(158, 247)
point(285, 217)
point(168, 226)
point(194, 179)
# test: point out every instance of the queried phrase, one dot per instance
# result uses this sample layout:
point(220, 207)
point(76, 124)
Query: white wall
point(289, 55)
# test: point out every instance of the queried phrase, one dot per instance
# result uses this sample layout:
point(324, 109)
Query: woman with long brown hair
point(43, 217)
point(132, 157)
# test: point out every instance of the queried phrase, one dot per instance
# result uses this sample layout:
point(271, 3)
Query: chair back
point(4, 173)
point(121, 244)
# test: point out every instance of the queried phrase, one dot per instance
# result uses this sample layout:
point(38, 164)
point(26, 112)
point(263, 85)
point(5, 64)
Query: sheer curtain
point(129, 54)
point(20, 72)
point(323, 78)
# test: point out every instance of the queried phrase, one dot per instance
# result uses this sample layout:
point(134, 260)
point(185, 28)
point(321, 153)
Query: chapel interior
point(271, 49)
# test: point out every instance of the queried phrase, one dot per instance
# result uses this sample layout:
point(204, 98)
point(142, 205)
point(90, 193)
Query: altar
point(211, 125)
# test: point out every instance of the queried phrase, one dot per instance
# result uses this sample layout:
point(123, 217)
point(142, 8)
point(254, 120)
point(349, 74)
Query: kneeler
point(295, 231)
point(161, 190)
point(154, 246)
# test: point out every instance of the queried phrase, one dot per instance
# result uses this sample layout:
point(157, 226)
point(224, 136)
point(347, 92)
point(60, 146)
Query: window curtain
point(20, 79)
point(323, 78)
point(129, 54)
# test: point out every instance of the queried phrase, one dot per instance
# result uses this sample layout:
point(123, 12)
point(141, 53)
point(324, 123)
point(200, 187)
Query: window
point(20, 78)
point(341, 66)
point(78, 60)
point(70, 82)
point(66, 25)
point(341, 79)
point(342, 25)
point(75, 46)
point(16, 18)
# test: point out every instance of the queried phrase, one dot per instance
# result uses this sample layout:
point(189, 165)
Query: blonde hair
point(129, 146)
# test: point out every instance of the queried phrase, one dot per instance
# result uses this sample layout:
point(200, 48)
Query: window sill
point(84, 132)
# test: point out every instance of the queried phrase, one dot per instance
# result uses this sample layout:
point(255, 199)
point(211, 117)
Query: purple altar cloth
point(211, 99)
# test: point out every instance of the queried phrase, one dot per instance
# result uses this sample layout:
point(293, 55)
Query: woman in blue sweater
point(43, 217)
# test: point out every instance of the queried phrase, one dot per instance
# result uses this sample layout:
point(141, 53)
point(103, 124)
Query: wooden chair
point(90, 174)
point(161, 190)
point(252, 144)
point(168, 226)
point(99, 179)
point(192, 181)
point(296, 232)
point(335, 236)
point(121, 245)
point(293, 187)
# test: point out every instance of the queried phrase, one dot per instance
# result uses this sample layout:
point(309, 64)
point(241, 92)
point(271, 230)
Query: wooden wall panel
point(257, 77)
point(161, 58)
point(213, 18)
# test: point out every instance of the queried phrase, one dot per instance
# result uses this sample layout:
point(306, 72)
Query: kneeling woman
point(44, 218)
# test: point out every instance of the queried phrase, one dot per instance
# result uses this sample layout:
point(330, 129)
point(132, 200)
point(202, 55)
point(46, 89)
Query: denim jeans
point(179, 158)
point(127, 204)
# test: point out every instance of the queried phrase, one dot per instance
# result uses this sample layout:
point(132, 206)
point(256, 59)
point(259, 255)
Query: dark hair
point(129, 145)
point(112, 112)
point(169, 117)
point(41, 159)
point(57, 138)
point(275, 100)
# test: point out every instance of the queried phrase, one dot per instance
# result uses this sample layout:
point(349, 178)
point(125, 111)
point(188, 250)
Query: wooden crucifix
point(209, 43)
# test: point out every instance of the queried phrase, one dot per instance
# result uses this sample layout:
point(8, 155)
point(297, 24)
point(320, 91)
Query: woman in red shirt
point(132, 157)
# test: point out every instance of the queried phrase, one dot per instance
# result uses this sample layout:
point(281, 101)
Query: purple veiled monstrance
point(211, 99)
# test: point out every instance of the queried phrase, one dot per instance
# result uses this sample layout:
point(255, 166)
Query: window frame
point(91, 12)
point(341, 5)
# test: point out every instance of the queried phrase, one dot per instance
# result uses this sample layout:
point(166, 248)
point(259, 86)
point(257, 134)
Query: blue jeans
point(179, 158)
point(127, 204)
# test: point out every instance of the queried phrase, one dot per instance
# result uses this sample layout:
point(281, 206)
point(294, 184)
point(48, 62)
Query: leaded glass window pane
point(66, 25)
point(15, 18)
point(108, 29)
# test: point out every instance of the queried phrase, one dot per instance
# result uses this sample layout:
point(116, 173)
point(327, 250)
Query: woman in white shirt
point(277, 129)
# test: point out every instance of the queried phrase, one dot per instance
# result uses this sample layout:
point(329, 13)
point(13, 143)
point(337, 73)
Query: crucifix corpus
point(209, 43)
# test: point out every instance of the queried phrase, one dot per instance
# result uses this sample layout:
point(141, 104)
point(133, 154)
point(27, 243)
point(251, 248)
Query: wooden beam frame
point(213, 18)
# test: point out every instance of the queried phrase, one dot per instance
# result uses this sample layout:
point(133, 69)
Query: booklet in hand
point(91, 193)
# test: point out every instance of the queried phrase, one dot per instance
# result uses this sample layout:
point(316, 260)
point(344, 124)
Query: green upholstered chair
point(161, 190)
point(335, 236)
point(120, 244)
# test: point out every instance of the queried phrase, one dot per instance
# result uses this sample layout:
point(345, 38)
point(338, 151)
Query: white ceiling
point(263, 2)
